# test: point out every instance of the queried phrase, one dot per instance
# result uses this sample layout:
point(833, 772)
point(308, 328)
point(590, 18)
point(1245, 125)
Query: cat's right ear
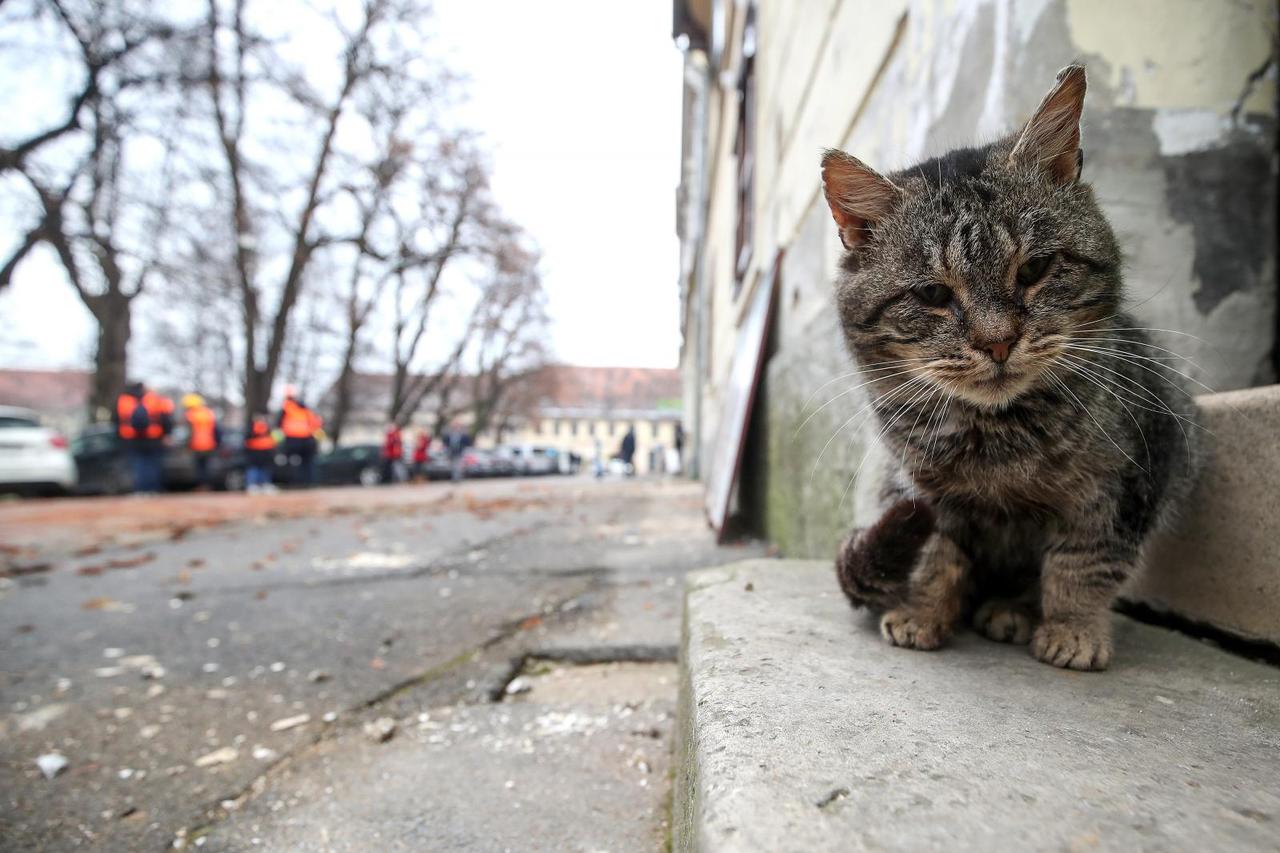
point(859, 196)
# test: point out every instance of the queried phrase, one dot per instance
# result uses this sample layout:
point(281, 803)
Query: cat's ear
point(859, 196)
point(1051, 139)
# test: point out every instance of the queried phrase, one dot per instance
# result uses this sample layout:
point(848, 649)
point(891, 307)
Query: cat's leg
point(936, 599)
point(1079, 582)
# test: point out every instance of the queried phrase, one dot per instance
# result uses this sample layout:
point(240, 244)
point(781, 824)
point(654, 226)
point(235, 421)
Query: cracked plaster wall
point(1179, 139)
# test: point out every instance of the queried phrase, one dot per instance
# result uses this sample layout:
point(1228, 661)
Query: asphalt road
point(207, 666)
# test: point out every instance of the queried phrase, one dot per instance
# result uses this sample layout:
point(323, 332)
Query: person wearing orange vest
point(300, 425)
point(259, 453)
point(205, 436)
point(143, 418)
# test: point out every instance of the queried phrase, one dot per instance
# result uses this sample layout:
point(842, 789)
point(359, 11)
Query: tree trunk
point(342, 392)
point(113, 313)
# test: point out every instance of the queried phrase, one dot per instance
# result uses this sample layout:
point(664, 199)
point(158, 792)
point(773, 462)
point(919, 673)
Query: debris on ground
point(519, 684)
point(290, 723)
point(380, 730)
point(219, 756)
point(316, 676)
point(51, 764)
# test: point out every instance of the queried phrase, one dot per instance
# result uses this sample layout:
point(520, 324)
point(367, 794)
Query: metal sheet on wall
point(740, 393)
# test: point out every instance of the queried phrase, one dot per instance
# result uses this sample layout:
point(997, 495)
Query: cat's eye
point(1034, 269)
point(933, 294)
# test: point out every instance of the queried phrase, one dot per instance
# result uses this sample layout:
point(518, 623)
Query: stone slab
point(801, 730)
point(1222, 565)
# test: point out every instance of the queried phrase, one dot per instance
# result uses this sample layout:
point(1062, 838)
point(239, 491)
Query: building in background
point(60, 397)
point(1179, 139)
point(561, 406)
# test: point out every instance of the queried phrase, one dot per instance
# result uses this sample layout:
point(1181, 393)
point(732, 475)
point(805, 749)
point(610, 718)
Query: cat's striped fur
point(1037, 437)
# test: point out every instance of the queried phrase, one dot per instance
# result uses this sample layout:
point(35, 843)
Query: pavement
point(486, 666)
point(800, 729)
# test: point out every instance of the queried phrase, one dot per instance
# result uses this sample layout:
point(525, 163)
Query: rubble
point(219, 756)
point(380, 730)
point(290, 723)
point(51, 764)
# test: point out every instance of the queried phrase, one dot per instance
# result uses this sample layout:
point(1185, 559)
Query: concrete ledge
point(801, 730)
point(1222, 566)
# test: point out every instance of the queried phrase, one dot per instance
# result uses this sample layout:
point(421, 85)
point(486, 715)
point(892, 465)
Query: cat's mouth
point(998, 386)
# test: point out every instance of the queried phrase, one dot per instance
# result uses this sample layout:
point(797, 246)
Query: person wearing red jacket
point(392, 453)
point(421, 448)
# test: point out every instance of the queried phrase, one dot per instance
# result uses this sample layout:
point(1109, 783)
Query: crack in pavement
point(216, 813)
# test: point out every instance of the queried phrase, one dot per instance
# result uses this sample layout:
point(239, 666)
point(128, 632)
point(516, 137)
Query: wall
point(1179, 140)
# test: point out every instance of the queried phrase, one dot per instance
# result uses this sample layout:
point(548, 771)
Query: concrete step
point(1222, 565)
point(801, 730)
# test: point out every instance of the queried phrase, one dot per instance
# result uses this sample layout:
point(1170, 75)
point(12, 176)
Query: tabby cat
point(1036, 437)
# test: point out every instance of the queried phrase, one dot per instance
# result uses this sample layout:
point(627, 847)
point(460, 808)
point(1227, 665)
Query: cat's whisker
point(864, 371)
point(1150, 395)
point(1147, 329)
point(875, 442)
point(1096, 423)
point(848, 391)
point(1173, 354)
point(888, 395)
point(1178, 419)
point(906, 439)
point(1129, 357)
point(1087, 376)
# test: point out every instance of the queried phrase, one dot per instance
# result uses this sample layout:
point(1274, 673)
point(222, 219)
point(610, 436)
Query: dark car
point(355, 464)
point(103, 465)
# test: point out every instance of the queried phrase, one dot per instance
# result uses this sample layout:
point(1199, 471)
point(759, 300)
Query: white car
point(33, 458)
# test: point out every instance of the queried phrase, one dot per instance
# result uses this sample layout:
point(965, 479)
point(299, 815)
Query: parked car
point(103, 464)
point(33, 458)
point(351, 465)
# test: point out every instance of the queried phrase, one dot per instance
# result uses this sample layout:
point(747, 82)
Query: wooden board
point(739, 397)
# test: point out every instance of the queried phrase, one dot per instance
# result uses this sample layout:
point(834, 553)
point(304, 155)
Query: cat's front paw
point(1073, 645)
point(1004, 621)
point(912, 629)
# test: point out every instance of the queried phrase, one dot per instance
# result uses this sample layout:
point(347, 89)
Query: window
point(653, 427)
point(745, 151)
point(613, 427)
point(591, 427)
point(558, 425)
point(573, 427)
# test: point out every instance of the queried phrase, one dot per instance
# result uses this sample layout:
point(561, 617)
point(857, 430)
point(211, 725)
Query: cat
point(1036, 438)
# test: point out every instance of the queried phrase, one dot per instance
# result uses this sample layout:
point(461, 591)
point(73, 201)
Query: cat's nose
point(999, 350)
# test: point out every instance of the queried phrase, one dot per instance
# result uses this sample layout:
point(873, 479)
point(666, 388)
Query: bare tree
point(95, 195)
point(510, 344)
point(279, 223)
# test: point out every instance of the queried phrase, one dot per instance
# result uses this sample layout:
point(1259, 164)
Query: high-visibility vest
point(260, 437)
point(204, 436)
point(299, 421)
point(156, 406)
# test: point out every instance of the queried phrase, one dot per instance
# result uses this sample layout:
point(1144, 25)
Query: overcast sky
point(579, 102)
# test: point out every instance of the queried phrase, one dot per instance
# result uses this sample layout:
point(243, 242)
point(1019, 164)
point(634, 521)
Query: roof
point(49, 392)
point(557, 390)
point(609, 389)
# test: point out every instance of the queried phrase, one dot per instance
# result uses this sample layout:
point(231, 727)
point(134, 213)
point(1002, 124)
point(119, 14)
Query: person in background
point(597, 461)
point(143, 419)
point(421, 449)
point(205, 436)
point(627, 452)
point(300, 426)
point(456, 442)
point(678, 467)
point(392, 453)
point(259, 454)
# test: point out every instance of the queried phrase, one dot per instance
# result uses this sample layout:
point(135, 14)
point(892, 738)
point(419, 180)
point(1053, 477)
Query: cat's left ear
point(1051, 139)
point(858, 195)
